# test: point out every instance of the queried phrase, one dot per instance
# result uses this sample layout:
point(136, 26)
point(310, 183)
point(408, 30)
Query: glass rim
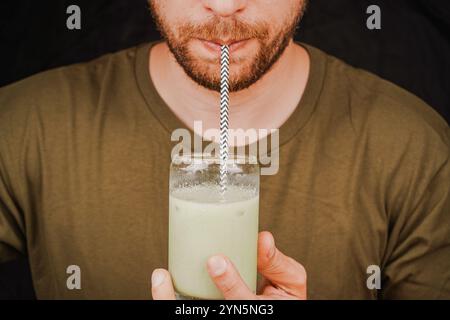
point(213, 159)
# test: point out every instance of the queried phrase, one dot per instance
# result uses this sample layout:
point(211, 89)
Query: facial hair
point(268, 53)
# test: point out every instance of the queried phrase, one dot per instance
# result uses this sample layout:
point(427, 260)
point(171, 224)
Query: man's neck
point(267, 104)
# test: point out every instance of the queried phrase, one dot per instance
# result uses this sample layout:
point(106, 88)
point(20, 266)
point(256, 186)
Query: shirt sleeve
point(12, 239)
point(12, 222)
point(418, 264)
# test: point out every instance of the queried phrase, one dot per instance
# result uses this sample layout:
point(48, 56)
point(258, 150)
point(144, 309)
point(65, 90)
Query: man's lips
point(215, 45)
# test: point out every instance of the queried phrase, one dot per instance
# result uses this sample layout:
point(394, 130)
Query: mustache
point(225, 29)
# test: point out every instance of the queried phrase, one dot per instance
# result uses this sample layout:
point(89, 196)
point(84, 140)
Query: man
point(363, 178)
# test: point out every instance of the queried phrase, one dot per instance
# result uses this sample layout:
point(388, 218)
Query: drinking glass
point(204, 220)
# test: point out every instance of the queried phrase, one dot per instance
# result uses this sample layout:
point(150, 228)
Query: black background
point(412, 50)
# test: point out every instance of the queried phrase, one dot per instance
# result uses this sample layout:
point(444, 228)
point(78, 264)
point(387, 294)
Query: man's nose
point(225, 8)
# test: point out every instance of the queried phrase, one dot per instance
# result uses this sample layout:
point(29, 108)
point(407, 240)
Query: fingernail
point(217, 265)
point(157, 278)
point(271, 251)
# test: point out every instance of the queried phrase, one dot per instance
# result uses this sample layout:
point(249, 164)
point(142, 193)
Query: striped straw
point(224, 111)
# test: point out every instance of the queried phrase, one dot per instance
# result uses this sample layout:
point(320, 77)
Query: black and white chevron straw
point(224, 114)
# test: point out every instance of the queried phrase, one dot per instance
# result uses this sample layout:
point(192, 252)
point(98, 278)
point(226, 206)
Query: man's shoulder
point(51, 98)
point(51, 87)
point(390, 123)
point(379, 108)
point(393, 112)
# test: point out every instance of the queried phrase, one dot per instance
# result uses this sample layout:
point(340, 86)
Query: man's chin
point(204, 69)
point(210, 79)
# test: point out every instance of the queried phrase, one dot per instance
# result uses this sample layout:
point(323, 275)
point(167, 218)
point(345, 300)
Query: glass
point(204, 222)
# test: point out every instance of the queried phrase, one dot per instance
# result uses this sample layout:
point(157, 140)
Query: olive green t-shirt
point(363, 181)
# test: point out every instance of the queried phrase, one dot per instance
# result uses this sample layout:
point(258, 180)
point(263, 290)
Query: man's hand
point(285, 278)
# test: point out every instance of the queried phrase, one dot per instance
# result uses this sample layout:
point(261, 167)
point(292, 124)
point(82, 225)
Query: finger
point(272, 293)
point(162, 288)
point(281, 270)
point(227, 279)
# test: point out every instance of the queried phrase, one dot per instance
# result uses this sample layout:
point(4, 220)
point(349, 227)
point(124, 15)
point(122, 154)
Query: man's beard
point(269, 51)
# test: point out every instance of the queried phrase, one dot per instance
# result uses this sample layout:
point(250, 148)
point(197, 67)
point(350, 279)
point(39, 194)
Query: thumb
point(283, 271)
point(162, 288)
